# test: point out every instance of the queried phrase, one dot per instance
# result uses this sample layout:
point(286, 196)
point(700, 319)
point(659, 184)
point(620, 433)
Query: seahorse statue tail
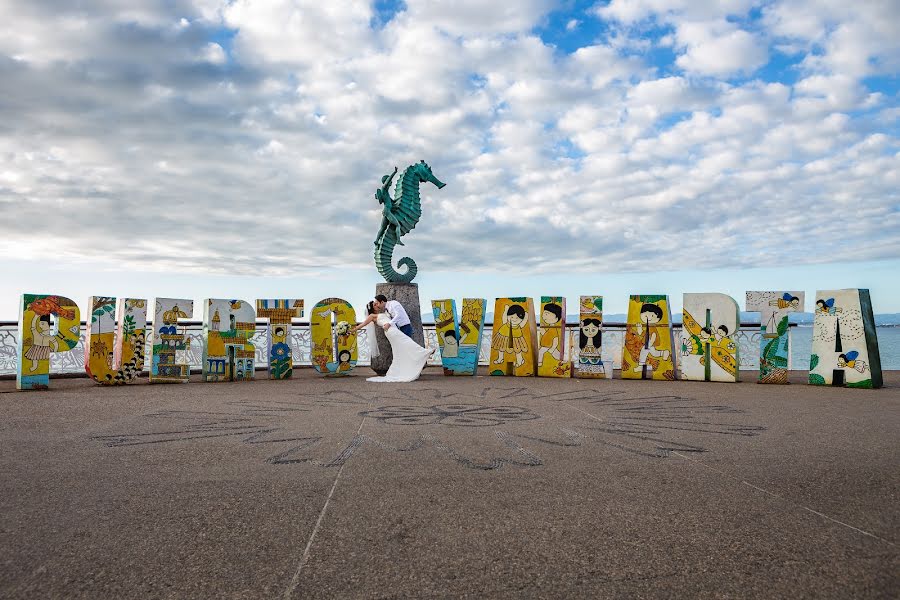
point(383, 255)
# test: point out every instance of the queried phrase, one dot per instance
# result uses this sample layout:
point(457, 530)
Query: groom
point(399, 318)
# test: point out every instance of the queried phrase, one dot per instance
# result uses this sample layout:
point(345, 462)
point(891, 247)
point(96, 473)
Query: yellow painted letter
point(552, 338)
point(108, 366)
point(647, 351)
point(334, 350)
point(37, 340)
point(513, 340)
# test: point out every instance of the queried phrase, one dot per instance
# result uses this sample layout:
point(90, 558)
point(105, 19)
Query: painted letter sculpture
point(513, 338)
point(774, 349)
point(647, 347)
point(708, 349)
point(228, 353)
point(37, 339)
point(334, 349)
point(551, 357)
point(400, 216)
point(115, 356)
point(167, 341)
point(459, 340)
point(844, 344)
point(590, 337)
point(279, 312)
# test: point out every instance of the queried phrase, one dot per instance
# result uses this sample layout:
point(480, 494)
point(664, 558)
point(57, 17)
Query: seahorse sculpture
point(400, 215)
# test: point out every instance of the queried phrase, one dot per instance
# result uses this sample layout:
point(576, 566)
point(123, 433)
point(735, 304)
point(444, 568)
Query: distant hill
point(805, 318)
point(882, 320)
point(888, 320)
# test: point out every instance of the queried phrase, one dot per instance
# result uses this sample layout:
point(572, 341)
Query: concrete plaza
point(450, 487)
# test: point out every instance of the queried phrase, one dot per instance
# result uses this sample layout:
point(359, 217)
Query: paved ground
point(488, 486)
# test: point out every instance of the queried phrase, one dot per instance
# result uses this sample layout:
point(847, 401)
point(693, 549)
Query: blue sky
point(232, 149)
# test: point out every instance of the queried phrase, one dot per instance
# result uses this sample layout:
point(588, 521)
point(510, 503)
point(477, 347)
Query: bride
point(409, 357)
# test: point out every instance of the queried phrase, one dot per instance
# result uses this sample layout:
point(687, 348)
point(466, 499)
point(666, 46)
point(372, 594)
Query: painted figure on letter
point(511, 337)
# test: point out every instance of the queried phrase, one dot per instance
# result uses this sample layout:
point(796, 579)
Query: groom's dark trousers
point(407, 329)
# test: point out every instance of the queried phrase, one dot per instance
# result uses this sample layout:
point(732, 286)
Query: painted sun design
point(454, 415)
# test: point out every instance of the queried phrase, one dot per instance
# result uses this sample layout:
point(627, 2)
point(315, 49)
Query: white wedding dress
point(409, 357)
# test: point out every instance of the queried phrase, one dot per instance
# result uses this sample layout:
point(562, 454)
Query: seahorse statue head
point(423, 171)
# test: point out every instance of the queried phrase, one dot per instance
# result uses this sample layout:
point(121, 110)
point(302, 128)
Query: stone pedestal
point(406, 294)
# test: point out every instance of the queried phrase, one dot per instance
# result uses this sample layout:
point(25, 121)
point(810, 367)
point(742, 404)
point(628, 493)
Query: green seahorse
point(400, 215)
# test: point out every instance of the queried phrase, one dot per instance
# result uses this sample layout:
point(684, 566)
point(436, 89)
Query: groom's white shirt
point(399, 318)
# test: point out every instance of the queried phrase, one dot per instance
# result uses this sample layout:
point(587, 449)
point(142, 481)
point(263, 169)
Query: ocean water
point(888, 346)
point(468, 356)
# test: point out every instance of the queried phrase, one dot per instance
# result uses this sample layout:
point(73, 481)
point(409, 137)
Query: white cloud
point(299, 31)
point(630, 11)
point(213, 53)
point(473, 18)
point(853, 39)
point(670, 94)
point(705, 38)
point(731, 52)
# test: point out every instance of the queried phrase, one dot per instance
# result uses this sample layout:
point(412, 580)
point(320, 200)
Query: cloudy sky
point(195, 148)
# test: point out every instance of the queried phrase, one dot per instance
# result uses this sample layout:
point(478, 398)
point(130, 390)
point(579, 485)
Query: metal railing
point(747, 338)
